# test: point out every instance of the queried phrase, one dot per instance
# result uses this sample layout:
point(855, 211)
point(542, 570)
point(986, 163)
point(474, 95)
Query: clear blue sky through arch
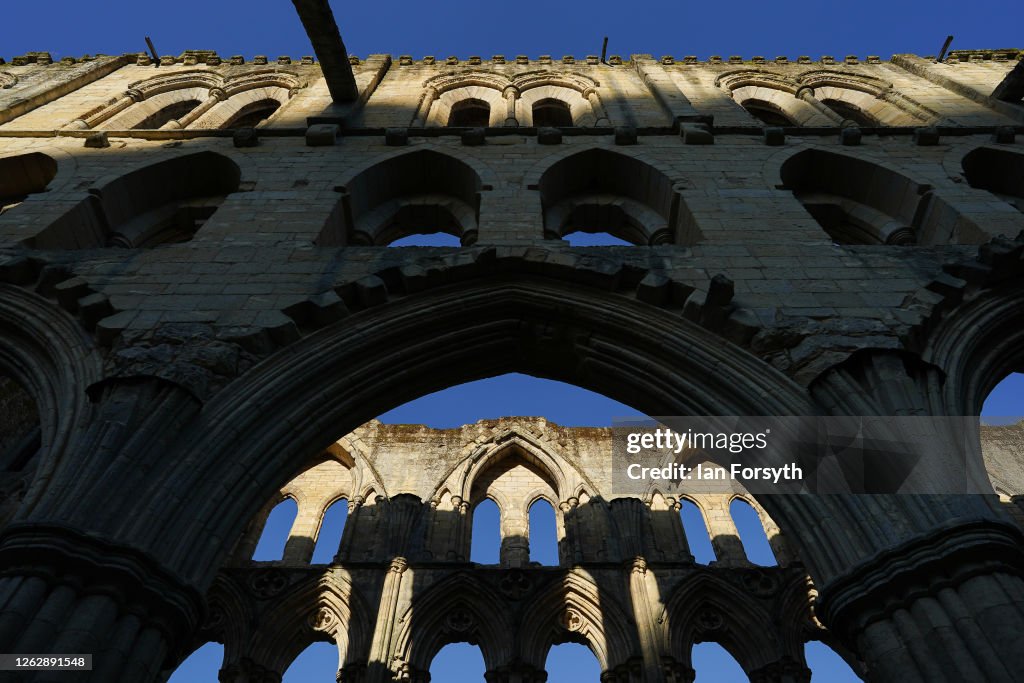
point(469, 27)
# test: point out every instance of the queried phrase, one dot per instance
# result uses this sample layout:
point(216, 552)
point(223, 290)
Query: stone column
point(73, 581)
point(299, 547)
point(216, 97)
point(600, 115)
point(725, 538)
point(632, 671)
point(423, 110)
point(572, 550)
point(461, 528)
point(925, 588)
point(130, 97)
point(380, 648)
point(806, 93)
point(515, 539)
point(511, 95)
point(643, 612)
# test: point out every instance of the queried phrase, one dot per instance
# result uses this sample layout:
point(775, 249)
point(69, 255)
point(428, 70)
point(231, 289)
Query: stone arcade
point(197, 304)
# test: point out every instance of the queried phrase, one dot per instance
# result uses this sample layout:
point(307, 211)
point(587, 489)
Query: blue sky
point(471, 27)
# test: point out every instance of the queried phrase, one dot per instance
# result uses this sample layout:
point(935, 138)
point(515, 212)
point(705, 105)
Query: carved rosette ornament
point(459, 620)
point(515, 585)
point(322, 620)
point(761, 583)
point(709, 620)
point(572, 620)
point(268, 584)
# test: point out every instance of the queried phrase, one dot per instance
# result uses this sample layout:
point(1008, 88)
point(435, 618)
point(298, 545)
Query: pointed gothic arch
point(413, 192)
point(862, 201)
point(598, 190)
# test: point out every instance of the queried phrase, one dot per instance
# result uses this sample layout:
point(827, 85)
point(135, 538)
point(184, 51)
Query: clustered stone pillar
point(74, 582)
point(386, 616)
point(646, 620)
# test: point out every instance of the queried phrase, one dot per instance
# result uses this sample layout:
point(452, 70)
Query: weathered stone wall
point(198, 308)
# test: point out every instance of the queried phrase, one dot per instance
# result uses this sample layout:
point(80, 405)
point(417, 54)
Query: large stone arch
point(976, 344)
point(53, 358)
point(453, 334)
point(409, 192)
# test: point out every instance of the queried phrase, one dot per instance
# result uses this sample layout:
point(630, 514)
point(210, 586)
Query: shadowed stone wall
point(197, 296)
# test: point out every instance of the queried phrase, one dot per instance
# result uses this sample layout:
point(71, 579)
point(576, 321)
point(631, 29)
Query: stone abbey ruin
point(200, 317)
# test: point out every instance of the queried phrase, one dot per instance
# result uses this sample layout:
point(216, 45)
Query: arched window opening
point(553, 113)
point(826, 665)
point(543, 534)
point(696, 531)
point(767, 114)
point(162, 203)
point(171, 112)
point(458, 663)
point(713, 664)
point(331, 528)
point(572, 663)
point(416, 193)
point(470, 113)
point(999, 171)
point(318, 663)
point(275, 531)
point(860, 202)
point(485, 541)
point(433, 239)
point(253, 114)
point(598, 191)
point(851, 113)
point(202, 666)
point(581, 238)
point(24, 175)
point(752, 533)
